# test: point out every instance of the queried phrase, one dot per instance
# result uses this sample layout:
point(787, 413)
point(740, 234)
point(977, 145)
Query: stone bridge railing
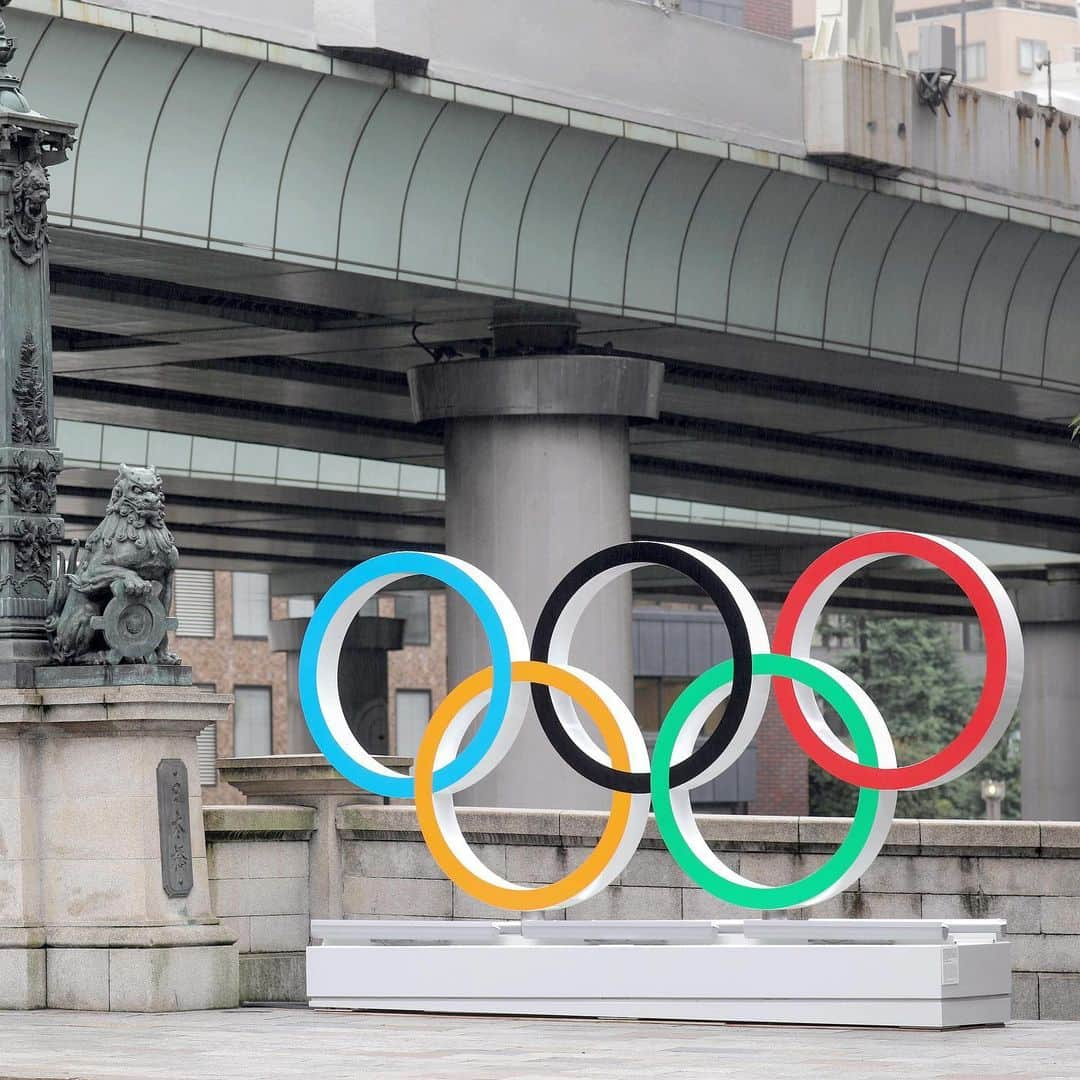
point(270, 871)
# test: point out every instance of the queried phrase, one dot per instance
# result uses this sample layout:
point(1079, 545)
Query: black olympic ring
point(644, 552)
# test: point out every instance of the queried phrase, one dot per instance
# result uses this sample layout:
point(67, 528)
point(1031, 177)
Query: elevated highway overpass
point(866, 312)
point(832, 348)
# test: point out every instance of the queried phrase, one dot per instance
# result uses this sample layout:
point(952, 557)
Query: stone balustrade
point(258, 859)
point(1025, 872)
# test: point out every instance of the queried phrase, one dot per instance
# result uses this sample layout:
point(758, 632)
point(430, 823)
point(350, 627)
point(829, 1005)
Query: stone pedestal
point(308, 780)
point(362, 679)
point(22, 931)
point(538, 478)
point(92, 808)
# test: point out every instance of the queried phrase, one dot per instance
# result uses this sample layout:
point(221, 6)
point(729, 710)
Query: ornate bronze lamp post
point(29, 458)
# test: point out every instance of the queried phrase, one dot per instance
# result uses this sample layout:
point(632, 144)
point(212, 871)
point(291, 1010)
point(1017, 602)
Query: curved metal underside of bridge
point(249, 248)
point(308, 538)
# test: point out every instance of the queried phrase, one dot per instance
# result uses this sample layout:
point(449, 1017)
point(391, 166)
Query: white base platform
point(874, 973)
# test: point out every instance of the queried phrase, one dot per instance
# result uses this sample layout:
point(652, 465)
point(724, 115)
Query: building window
point(412, 711)
point(973, 638)
point(1031, 52)
point(252, 721)
point(251, 605)
point(206, 744)
point(975, 62)
point(194, 603)
point(301, 607)
point(415, 610)
point(647, 702)
point(913, 60)
point(725, 11)
point(655, 694)
point(653, 697)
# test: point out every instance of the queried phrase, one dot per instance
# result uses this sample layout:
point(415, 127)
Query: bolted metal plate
point(174, 825)
point(133, 625)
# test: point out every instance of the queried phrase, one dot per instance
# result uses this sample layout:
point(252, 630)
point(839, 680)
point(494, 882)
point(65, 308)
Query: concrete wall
point(681, 71)
point(586, 54)
point(287, 22)
point(548, 49)
point(862, 112)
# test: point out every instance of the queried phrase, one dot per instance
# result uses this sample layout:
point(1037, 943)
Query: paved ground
point(282, 1044)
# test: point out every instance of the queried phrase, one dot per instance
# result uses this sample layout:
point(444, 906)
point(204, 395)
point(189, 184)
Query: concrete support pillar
point(537, 478)
point(362, 679)
point(1050, 702)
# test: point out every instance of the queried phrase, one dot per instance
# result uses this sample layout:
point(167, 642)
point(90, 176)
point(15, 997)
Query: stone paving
point(283, 1044)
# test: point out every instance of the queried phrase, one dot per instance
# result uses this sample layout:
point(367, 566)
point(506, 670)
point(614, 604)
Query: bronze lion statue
point(131, 553)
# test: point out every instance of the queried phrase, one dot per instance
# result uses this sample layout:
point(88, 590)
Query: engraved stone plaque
point(174, 824)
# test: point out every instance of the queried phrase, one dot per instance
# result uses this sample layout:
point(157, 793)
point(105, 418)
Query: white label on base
point(950, 966)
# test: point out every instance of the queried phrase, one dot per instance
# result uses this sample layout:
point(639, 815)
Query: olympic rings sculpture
point(622, 765)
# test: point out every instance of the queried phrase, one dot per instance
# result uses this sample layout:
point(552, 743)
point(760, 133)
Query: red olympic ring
point(1004, 659)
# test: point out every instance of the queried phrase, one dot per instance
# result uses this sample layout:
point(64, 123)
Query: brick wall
point(228, 662)
point(418, 667)
point(783, 769)
point(768, 17)
point(783, 776)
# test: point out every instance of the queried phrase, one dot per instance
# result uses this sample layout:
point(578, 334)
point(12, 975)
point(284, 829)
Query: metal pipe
point(963, 41)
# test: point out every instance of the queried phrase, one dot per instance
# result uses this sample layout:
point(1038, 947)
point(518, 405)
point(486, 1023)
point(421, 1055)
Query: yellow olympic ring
point(436, 814)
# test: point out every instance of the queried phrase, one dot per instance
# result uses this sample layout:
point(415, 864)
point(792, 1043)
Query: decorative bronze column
point(29, 457)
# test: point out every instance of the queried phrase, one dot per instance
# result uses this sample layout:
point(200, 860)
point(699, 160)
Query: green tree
point(909, 669)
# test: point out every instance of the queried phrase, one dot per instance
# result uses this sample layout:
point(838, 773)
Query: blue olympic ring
point(397, 565)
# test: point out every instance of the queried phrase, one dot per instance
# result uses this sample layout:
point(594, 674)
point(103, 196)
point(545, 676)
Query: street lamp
point(29, 457)
point(993, 794)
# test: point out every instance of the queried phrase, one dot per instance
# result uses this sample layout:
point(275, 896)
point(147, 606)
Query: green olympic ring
point(679, 830)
